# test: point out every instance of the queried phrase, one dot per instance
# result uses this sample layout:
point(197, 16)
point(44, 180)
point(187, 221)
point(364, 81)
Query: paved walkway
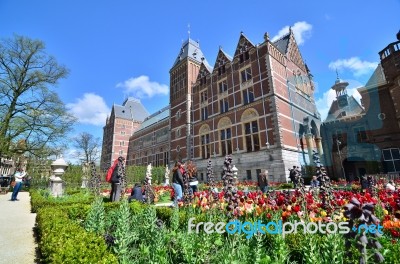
point(17, 244)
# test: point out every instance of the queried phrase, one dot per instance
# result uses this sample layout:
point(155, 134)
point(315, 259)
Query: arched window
point(205, 146)
point(250, 128)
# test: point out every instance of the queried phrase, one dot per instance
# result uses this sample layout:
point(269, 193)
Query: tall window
point(244, 56)
point(166, 157)
point(203, 80)
point(203, 97)
point(226, 143)
point(391, 158)
point(338, 135)
point(246, 75)
point(248, 174)
point(221, 70)
point(360, 134)
point(204, 113)
point(223, 86)
point(223, 105)
point(205, 146)
point(251, 136)
point(248, 96)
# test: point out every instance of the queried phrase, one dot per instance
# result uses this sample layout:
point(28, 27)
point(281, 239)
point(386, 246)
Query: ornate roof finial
point(266, 36)
point(290, 30)
point(337, 74)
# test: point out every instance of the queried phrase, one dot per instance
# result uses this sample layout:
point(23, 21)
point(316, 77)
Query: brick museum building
point(257, 105)
point(365, 139)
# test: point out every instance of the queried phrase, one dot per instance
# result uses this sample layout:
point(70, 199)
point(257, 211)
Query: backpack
point(110, 171)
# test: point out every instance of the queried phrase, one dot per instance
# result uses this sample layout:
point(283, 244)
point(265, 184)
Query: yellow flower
point(323, 213)
point(385, 212)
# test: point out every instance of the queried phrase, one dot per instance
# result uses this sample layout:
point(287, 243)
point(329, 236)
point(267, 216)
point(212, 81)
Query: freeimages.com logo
point(251, 228)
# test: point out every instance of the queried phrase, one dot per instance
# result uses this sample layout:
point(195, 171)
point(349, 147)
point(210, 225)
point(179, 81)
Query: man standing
point(263, 181)
point(19, 174)
point(292, 176)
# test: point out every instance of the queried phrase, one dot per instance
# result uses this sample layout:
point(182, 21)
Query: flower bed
point(138, 233)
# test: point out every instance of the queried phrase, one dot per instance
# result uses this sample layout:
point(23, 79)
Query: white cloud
point(91, 109)
point(301, 31)
point(142, 87)
point(354, 64)
point(324, 103)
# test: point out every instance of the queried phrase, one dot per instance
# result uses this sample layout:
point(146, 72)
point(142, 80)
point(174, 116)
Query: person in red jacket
point(116, 179)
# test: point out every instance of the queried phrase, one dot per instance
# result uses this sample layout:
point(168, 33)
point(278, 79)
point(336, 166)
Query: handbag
point(193, 183)
point(13, 183)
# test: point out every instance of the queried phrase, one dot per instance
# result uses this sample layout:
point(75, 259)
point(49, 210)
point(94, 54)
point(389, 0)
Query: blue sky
point(125, 48)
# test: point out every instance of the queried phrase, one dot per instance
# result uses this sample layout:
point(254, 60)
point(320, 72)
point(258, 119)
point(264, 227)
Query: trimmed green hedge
point(42, 198)
point(62, 240)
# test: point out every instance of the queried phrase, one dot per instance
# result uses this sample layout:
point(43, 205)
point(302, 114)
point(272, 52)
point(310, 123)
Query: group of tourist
point(138, 193)
point(188, 171)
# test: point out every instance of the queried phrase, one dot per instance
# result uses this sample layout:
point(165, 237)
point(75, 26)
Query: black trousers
point(115, 192)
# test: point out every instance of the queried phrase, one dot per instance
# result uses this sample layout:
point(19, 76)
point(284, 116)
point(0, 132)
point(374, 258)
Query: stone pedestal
point(84, 182)
point(56, 186)
point(56, 183)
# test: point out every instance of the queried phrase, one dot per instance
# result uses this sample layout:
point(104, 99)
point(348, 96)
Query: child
point(314, 182)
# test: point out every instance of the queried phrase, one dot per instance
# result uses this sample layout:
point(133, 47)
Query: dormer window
point(244, 56)
point(221, 70)
point(203, 80)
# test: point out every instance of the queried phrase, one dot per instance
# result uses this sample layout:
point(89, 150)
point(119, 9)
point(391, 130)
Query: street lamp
point(338, 143)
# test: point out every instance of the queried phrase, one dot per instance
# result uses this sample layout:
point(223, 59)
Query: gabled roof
point(226, 55)
point(131, 109)
point(282, 44)
point(377, 78)
point(190, 49)
point(204, 70)
point(154, 118)
point(221, 57)
point(243, 41)
point(337, 112)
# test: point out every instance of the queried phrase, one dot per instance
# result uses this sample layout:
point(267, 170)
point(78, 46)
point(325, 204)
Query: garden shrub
point(61, 240)
point(285, 186)
point(43, 198)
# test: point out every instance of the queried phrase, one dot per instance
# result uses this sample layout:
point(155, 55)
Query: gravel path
point(17, 243)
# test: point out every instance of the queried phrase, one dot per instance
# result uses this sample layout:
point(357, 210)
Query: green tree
point(32, 116)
